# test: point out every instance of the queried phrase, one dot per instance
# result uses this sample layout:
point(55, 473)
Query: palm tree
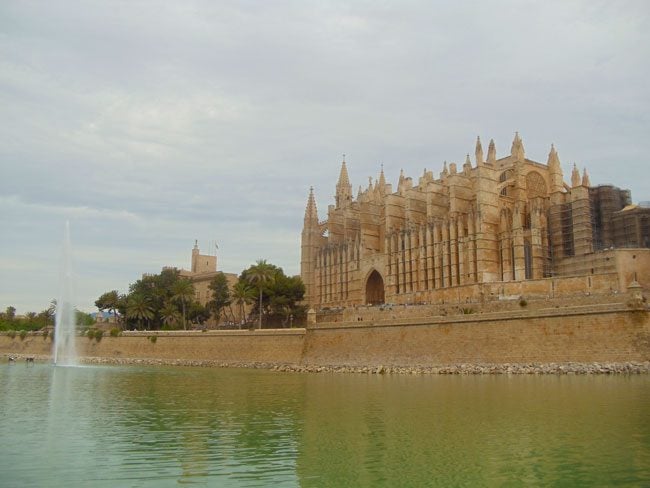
point(138, 307)
point(243, 295)
point(169, 314)
point(260, 274)
point(183, 292)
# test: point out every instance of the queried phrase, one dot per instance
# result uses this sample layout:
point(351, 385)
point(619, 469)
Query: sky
point(149, 124)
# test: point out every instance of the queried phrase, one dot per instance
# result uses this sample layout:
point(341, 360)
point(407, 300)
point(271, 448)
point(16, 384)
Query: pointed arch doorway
point(374, 289)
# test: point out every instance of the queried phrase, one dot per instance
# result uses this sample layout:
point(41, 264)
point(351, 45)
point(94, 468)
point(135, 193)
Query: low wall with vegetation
point(584, 334)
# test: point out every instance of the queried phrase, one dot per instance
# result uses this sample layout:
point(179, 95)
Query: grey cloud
point(150, 124)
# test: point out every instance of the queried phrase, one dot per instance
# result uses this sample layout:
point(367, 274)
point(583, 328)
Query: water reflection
point(477, 431)
point(109, 426)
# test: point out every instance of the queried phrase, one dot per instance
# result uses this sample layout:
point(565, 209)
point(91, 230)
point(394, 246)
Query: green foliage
point(279, 295)
point(96, 334)
point(220, 295)
point(156, 290)
point(197, 313)
point(467, 310)
point(23, 334)
point(33, 321)
point(167, 300)
point(83, 319)
point(170, 316)
point(10, 313)
point(12, 334)
point(139, 309)
point(153, 339)
point(183, 293)
point(153, 302)
point(523, 302)
point(111, 301)
point(243, 294)
point(115, 332)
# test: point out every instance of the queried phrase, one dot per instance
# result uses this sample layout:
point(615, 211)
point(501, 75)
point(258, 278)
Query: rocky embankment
point(476, 369)
point(452, 369)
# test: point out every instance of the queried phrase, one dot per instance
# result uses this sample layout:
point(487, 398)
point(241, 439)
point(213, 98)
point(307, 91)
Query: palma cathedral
point(490, 221)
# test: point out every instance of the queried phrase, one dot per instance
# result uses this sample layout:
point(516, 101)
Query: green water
point(154, 426)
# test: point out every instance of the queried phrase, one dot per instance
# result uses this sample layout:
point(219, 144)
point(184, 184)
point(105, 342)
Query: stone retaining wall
point(269, 346)
point(607, 333)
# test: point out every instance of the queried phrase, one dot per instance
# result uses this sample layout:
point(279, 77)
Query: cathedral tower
point(310, 242)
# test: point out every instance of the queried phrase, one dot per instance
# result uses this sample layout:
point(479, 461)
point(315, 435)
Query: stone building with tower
point(203, 269)
point(471, 232)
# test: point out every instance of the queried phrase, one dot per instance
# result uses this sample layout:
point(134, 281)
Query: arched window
point(503, 177)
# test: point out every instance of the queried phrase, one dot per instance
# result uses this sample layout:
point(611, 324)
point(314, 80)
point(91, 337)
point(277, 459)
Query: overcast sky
point(150, 124)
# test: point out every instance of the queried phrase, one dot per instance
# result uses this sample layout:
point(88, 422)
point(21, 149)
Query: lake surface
point(159, 426)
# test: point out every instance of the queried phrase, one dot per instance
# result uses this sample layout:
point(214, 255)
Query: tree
point(138, 308)
point(286, 293)
point(10, 314)
point(46, 317)
point(259, 275)
point(83, 319)
point(243, 295)
point(183, 292)
point(281, 296)
point(109, 301)
point(197, 313)
point(220, 295)
point(158, 288)
point(170, 315)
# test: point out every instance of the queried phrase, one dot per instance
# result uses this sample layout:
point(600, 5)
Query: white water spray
point(65, 352)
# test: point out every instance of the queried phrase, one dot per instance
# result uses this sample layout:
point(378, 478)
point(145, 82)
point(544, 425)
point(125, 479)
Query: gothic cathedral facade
point(496, 220)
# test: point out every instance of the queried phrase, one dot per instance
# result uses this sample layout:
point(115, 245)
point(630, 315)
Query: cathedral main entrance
point(374, 289)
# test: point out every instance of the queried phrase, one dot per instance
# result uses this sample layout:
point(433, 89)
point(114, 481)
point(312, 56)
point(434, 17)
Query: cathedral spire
point(517, 149)
point(555, 170)
point(575, 177)
point(311, 213)
point(479, 152)
point(400, 182)
point(492, 153)
point(553, 159)
point(382, 180)
point(343, 187)
point(467, 167)
point(585, 178)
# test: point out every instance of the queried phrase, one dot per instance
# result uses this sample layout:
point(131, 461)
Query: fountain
point(65, 352)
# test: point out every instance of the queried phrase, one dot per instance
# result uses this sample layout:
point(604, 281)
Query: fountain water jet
point(65, 351)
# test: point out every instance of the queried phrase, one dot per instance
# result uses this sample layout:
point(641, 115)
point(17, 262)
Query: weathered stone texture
point(502, 221)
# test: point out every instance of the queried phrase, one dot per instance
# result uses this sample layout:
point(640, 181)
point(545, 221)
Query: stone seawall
point(611, 333)
point(282, 346)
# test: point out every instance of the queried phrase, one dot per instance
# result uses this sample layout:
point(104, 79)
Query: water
point(157, 427)
point(65, 320)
